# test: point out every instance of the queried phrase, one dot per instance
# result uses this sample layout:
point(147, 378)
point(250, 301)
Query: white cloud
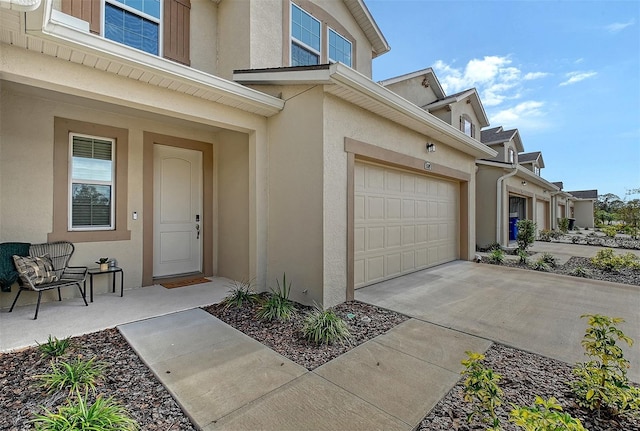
point(534, 75)
point(529, 114)
point(619, 26)
point(574, 77)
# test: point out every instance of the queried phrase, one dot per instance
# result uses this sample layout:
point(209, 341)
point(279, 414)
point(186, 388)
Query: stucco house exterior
point(509, 187)
point(583, 207)
point(242, 139)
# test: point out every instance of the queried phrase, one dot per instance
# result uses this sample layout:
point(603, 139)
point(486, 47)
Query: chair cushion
point(37, 270)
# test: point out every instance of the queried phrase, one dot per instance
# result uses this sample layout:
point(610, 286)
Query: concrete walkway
point(225, 380)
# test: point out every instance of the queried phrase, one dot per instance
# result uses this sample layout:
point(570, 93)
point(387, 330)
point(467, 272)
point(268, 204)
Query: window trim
point(329, 30)
point(118, 4)
point(111, 183)
point(512, 156)
point(464, 118)
point(300, 43)
point(60, 228)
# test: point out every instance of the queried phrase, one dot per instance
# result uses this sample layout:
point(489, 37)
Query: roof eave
point(365, 20)
point(339, 75)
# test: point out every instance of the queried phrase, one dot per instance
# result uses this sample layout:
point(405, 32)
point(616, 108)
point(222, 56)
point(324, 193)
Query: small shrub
point(563, 225)
point(526, 234)
point(54, 347)
point(575, 239)
point(325, 327)
point(103, 415)
point(240, 292)
point(523, 257)
point(481, 388)
point(74, 375)
point(544, 235)
point(610, 230)
point(544, 416)
point(494, 246)
point(602, 382)
point(581, 271)
point(496, 256)
point(549, 259)
point(278, 305)
point(607, 260)
point(540, 265)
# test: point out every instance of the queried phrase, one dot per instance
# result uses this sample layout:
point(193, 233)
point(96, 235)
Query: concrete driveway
point(528, 310)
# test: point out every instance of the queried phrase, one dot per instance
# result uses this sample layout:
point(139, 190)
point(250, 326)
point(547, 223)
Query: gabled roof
point(430, 76)
point(531, 157)
point(497, 135)
point(472, 94)
point(585, 194)
point(353, 87)
point(559, 184)
point(368, 25)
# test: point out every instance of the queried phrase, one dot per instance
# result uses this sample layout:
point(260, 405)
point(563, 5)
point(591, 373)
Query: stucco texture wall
point(414, 91)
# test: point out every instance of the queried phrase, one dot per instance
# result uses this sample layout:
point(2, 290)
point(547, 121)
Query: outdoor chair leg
point(84, 298)
point(15, 300)
point(38, 305)
point(59, 296)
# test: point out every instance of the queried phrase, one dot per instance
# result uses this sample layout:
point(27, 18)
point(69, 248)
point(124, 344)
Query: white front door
point(177, 211)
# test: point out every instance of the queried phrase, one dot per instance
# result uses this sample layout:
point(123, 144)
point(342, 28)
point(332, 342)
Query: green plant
point(526, 234)
point(73, 374)
point(544, 235)
point(549, 259)
point(494, 246)
point(54, 347)
point(496, 256)
point(278, 305)
point(481, 389)
point(602, 382)
point(325, 327)
point(610, 230)
point(607, 260)
point(540, 265)
point(103, 415)
point(544, 416)
point(563, 224)
point(580, 271)
point(523, 257)
point(103, 260)
point(240, 292)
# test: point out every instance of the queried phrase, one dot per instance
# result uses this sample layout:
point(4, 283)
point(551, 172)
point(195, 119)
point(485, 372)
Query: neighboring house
point(242, 139)
point(509, 188)
point(583, 207)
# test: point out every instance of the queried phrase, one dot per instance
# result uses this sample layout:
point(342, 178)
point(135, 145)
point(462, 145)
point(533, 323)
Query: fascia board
point(41, 24)
point(284, 77)
point(536, 179)
point(349, 78)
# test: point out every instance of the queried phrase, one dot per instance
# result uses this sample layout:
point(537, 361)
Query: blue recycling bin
point(513, 228)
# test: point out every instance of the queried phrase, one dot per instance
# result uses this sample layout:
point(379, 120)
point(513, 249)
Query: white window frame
point(112, 183)
point(141, 14)
point(536, 170)
point(512, 156)
point(329, 30)
point(300, 43)
point(466, 120)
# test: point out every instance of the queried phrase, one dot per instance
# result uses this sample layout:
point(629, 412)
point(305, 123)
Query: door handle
point(197, 231)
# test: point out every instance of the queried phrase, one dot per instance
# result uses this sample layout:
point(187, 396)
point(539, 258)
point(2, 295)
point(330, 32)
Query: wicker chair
point(60, 253)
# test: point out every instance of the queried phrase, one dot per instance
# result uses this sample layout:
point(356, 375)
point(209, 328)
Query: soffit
point(69, 44)
point(368, 25)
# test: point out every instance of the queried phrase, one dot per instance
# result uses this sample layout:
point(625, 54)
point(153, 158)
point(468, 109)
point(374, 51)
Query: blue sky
point(566, 74)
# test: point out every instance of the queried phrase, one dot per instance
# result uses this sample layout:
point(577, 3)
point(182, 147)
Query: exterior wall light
point(524, 183)
point(431, 147)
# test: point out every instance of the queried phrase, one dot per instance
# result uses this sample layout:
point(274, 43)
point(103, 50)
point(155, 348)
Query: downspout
point(499, 201)
point(20, 5)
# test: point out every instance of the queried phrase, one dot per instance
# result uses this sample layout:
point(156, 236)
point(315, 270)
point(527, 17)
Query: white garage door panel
point(542, 209)
point(404, 222)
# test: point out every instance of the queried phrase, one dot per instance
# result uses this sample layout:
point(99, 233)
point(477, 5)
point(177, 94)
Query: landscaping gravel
point(133, 385)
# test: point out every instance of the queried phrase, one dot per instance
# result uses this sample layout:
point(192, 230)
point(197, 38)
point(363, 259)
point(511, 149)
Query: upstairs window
point(153, 26)
point(339, 48)
point(467, 126)
point(305, 38)
point(536, 170)
point(512, 156)
point(91, 182)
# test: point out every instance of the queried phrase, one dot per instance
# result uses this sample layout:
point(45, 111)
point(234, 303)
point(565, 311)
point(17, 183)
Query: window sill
point(90, 236)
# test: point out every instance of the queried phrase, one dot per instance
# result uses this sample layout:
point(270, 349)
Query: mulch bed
point(286, 338)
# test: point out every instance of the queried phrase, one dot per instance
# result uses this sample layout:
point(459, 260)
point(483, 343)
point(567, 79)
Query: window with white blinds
point(91, 183)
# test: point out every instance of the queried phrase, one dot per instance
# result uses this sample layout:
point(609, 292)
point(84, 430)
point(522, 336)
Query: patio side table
point(113, 270)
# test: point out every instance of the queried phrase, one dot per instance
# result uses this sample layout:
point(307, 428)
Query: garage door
point(404, 222)
point(542, 215)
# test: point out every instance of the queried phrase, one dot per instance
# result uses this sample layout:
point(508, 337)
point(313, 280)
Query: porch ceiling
point(59, 40)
